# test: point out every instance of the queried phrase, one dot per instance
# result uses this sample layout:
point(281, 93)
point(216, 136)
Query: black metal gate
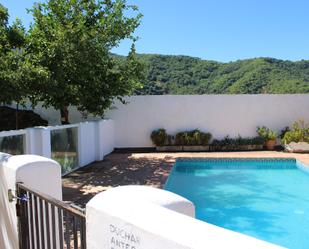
point(47, 223)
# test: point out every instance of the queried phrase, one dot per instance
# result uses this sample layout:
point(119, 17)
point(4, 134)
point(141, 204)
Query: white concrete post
point(86, 143)
point(139, 217)
point(30, 141)
point(36, 173)
point(38, 141)
point(104, 138)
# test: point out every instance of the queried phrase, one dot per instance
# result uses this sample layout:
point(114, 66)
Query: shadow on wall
point(8, 235)
point(116, 170)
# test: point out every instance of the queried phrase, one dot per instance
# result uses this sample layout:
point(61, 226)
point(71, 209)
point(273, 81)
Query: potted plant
point(297, 139)
point(163, 141)
point(269, 137)
point(158, 137)
point(195, 140)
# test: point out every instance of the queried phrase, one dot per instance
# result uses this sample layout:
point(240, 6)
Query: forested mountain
point(188, 75)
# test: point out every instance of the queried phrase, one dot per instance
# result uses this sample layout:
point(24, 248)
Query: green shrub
point(256, 141)
point(283, 131)
point(193, 137)
point(227, 141)
point(224, 142)
point(170, 140)
point(249, 140)
point(158, 137)
point(266, 133)
point(180, 138)
point(205, 138)
point(299, 133)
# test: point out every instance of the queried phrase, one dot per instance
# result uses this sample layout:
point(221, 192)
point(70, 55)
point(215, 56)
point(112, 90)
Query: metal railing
point(45, 222)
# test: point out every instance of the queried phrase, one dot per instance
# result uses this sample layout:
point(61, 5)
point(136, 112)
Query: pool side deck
point(141, 169)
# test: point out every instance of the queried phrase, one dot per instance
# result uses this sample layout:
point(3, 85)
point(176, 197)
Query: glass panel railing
point(64, 148)
point(14, 145)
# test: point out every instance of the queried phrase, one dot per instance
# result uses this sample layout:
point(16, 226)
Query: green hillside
point(188, 75)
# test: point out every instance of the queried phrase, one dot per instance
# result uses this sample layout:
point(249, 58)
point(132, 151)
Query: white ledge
point(136, 217)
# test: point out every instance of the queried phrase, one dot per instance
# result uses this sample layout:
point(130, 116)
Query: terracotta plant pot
point(270, 144)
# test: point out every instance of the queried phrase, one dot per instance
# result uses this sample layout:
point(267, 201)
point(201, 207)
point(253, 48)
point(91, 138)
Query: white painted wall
point(219, 114)
point(35, 172)
point(136, 218)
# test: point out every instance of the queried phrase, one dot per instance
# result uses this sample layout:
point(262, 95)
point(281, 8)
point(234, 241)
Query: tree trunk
point(64, 112)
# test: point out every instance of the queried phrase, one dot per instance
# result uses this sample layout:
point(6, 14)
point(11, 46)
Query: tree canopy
point(12, 39)
point(73, 40)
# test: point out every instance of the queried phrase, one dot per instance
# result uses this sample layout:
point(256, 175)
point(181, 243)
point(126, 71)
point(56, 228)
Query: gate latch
point(12, 197)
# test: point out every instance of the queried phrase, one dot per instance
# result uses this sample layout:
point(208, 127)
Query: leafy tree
point(15, 69)
point(11, 41)
point(72, 40)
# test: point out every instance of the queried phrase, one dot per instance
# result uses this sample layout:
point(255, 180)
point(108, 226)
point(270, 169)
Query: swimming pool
point(264, 198)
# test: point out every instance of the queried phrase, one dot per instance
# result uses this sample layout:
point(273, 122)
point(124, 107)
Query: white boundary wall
point(95, 140)
point(220, 115)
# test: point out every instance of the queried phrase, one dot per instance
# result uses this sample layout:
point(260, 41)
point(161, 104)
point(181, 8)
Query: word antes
point(122, 238)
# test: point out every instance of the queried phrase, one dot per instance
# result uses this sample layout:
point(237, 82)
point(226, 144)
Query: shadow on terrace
point(116, 170)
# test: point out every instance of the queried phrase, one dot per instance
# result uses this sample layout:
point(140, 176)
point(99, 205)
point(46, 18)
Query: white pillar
point(36, 173)
point(38, 141)
point(86, 143)
point(30, 141)
point(104, 138)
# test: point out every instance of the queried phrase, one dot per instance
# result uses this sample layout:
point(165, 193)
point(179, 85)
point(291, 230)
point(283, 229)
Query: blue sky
point(222, 30)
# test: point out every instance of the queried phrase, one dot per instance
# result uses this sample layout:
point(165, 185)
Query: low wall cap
point(4, 157)
point(146, 194)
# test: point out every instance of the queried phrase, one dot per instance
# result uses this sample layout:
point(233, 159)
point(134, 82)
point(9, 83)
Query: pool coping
point(298, 163)
point(235, 158)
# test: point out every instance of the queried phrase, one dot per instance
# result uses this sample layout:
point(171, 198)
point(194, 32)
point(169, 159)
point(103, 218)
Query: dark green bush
point(283, 131)
point(158, 137)
point(196, 137)
point(227, 141)
point(170, 140)
point(180, 138)
point(205, 138)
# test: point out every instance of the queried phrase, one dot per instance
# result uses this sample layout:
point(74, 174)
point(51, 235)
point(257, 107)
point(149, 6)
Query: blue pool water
point(264, 198)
